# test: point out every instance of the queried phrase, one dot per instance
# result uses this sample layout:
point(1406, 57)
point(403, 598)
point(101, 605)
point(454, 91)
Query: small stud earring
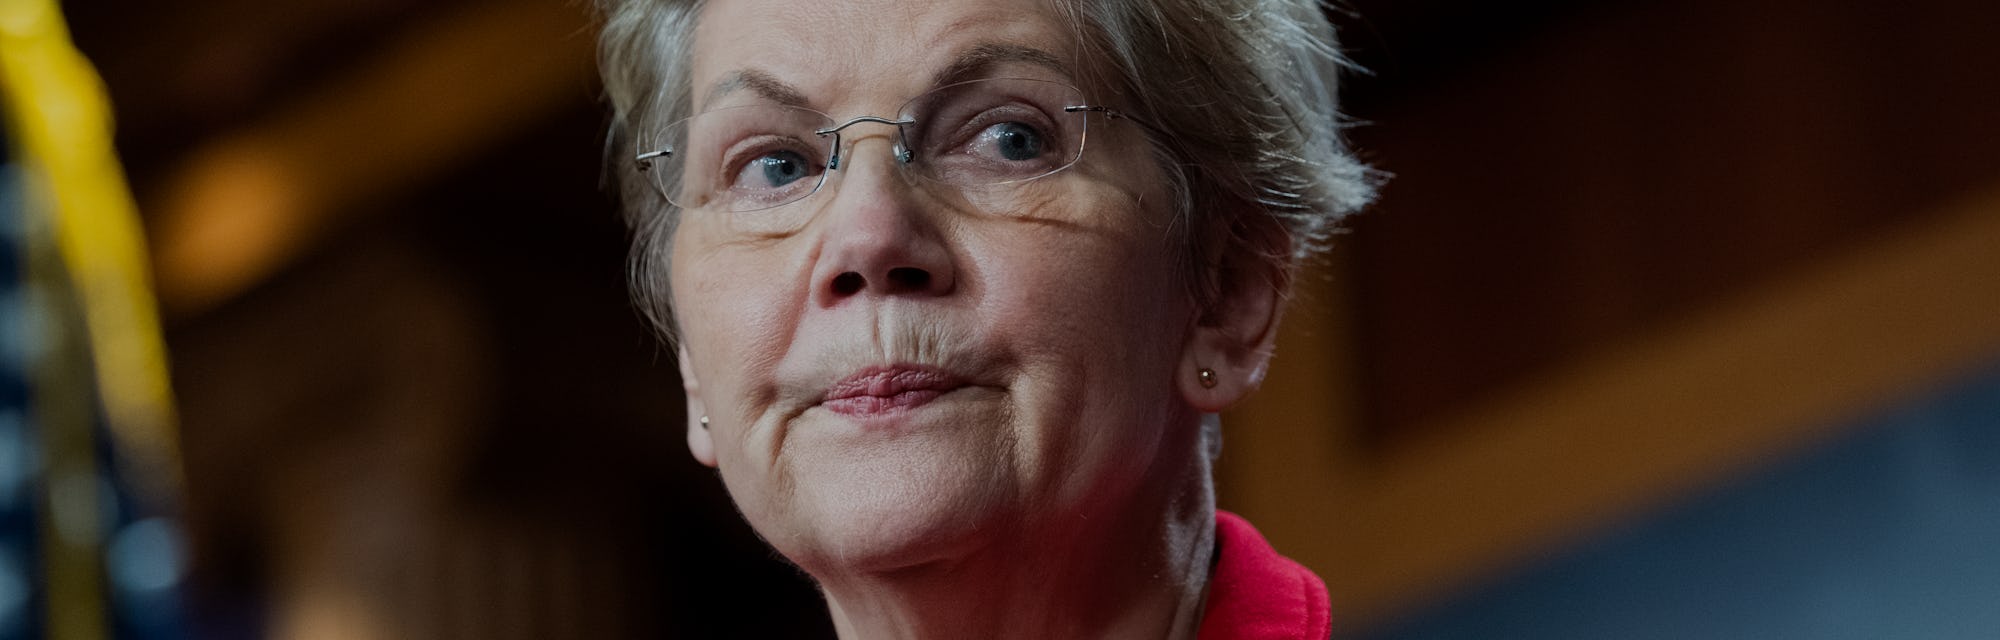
point(704, 422)
point(1207, 377)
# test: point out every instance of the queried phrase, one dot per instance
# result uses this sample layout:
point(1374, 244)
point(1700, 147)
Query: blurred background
point(1679, 319)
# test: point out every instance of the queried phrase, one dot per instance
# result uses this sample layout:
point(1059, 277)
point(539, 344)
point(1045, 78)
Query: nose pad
point(849, 150)
point(902, 154)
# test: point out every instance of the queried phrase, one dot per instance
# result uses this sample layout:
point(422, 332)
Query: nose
point(879, 238)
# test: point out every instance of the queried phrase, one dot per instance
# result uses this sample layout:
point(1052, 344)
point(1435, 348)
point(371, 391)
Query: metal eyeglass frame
point(645, 160)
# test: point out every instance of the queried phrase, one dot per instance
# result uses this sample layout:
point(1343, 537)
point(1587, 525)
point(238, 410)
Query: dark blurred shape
point(450, 424)
point(1569, 175)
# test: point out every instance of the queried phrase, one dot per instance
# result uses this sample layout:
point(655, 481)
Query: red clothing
point(1256, 594)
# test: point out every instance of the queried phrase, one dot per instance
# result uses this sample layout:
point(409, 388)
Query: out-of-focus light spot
point(13, 591)
point(145, 556)
point(18, 462)
point(228, 221)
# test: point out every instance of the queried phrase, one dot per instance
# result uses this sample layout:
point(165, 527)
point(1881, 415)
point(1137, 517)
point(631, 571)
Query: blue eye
point(1014, 141)
point(780, 168)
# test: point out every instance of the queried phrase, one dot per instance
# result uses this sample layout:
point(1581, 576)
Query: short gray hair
point(1248, 89)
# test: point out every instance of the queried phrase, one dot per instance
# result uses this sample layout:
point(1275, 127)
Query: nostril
point(909, 278)
point(848, 284)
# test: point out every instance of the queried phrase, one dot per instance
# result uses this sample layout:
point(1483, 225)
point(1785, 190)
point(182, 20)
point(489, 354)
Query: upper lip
point(889, 380)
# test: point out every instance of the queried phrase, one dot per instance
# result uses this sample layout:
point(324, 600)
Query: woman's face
point(912, 369)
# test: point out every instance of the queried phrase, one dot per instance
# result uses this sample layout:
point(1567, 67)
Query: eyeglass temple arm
point(645, 160)
point(1115, 114)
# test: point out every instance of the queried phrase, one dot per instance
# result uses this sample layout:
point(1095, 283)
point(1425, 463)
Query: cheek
point(1075, 292)
point(733, 322)
point(1099, 298)
point(1094, 320)
point(1094, 258)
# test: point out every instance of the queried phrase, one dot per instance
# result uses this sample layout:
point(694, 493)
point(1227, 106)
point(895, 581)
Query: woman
point(959, 366)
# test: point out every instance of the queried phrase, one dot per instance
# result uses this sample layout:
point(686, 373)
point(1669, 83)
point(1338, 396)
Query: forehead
point(835, 50)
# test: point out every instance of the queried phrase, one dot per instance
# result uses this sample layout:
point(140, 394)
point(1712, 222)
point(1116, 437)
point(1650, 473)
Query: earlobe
point(1221, 367)
point(700, 442)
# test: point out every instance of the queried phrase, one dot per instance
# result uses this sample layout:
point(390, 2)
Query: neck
point(1139, 572)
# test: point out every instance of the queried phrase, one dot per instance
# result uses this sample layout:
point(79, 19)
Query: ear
point(1236, 332)
point(700, 443)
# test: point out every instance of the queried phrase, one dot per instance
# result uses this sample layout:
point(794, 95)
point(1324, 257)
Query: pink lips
point(878, 391)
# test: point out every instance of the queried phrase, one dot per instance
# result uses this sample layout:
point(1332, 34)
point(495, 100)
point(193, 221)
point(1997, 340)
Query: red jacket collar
point(1256, 594)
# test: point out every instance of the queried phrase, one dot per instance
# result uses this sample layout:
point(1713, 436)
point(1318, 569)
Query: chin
point(893, 506)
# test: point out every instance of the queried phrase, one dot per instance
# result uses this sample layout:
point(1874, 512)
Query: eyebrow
point(976, 61)
point(981, 59)
point(759, 82)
